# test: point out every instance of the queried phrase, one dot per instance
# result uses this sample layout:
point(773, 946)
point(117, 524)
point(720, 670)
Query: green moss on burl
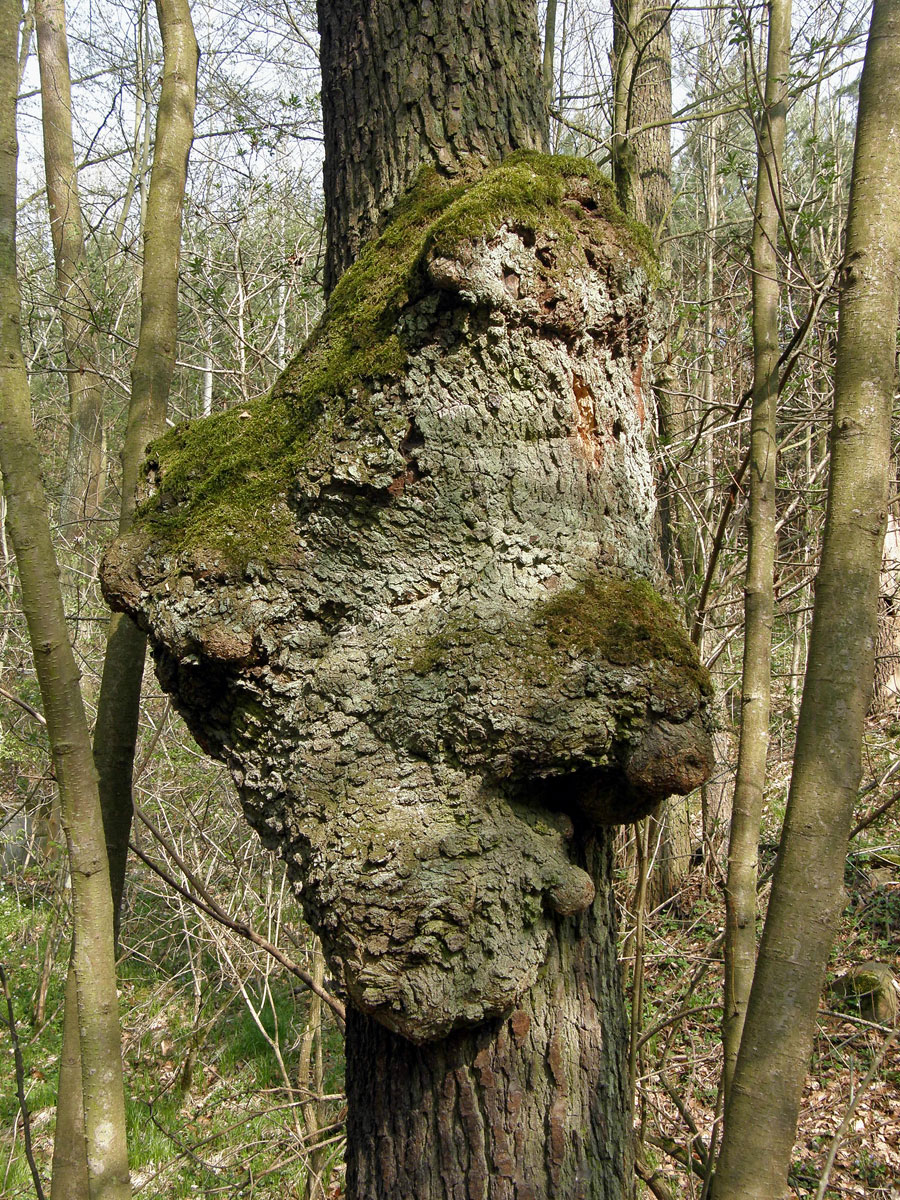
point(225, 479)
point(624, 622)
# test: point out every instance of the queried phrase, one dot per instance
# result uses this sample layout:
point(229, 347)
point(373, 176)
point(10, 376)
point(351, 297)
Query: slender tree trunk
point(524, 1108)
point(642, 166)
point(115, 730)
point(82, 492)
point(759, 601)
point(761, 1118)
point(68, 1176)
point(58, 675)
point(409, 84)
point(887, 648)
point(549, 51)
point(151, 376)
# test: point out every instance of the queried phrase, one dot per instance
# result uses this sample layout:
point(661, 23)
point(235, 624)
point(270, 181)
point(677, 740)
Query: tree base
point(533, 1107)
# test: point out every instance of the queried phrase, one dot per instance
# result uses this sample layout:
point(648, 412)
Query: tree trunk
point(93, 958)
point(642, 111)
point(887, 649)
point(523, 1109)
point(404, 85)
point(116, 726)
point(642, 166)
point(120, 690)
point(412, 606)
point(807, 890)
point(759, 587)
point(83, 483)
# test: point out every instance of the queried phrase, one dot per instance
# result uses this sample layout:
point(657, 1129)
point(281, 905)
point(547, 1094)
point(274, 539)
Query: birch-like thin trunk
point(759, 600)
point(549, 51)
point(115, 731)
point(807, 890)
point(82, 492)
point(93, 957)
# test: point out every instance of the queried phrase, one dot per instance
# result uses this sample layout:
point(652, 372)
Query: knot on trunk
point(410, 601)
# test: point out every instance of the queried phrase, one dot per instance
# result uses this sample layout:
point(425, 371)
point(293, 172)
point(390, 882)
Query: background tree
point(116, 725)
point(761, 1117)
point(84, 478)
point(93, 959)
point(740, 894)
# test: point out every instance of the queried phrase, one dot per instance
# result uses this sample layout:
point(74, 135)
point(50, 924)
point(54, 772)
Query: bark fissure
point(454, 84)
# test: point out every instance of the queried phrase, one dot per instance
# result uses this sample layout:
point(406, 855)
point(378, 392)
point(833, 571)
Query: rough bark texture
point(642, 110)
point(458, 651)
point(405, 85)
point(528, 1107)
point(432, 655)
point(807, 889)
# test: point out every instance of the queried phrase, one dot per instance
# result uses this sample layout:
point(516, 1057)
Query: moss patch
point(625, 622)
point(224, 480)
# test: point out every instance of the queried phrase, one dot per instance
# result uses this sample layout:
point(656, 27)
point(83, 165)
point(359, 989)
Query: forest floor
point(227, 1097)
point(681, 1066)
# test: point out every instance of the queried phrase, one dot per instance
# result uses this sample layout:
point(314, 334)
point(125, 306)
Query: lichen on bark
point(411, 599)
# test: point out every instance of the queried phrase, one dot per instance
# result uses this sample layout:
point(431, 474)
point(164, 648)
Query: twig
point(203, 900)
point(670, 1146)
point(678, 1016)
point(864, 1085)
point(20, 1085)
point(830, 1012)
point(32, 712)
point(718, 541)
point(873, 816)
point(654, 1179)
point(697, 1139)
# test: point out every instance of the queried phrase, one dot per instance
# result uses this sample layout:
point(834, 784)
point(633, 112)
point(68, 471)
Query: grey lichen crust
point(455, 661)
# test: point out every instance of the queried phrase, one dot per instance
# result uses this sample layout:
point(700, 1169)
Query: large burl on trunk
point(410, 600)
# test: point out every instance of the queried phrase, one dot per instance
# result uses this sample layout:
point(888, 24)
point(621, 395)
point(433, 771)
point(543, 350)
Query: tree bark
point(523, 1109)
point(642, 110)
point(93, 956)
point(120, 690)
point(642, 170)
point(83, 482)
point(759, 587)
point(118, 705)
point(807, 890)
point(404, 85)
point(887, 649)
point(390, 671)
